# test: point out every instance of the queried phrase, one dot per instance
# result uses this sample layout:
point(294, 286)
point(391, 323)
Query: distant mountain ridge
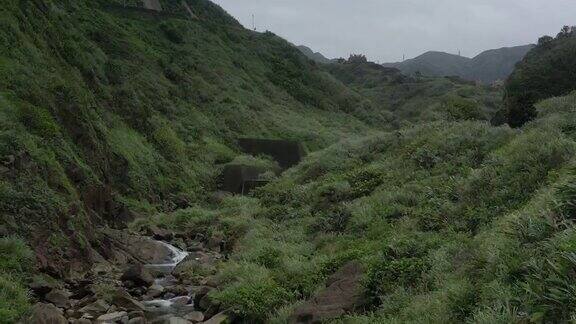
point(487, 67)
point(314, 56)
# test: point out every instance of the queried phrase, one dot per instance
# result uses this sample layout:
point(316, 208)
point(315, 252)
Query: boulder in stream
point(116, 317)
point(139, 275)
point(96, 308)
point(125, 248)
point(194, 317)
point(123, 299)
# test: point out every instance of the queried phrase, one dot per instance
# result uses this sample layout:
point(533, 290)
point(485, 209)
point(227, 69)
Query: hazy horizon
point(387, 31)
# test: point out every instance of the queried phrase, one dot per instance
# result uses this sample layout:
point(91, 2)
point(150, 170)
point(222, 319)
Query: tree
point(521, 110)
point(357, 58)
point(567, 31)
point(545, 40)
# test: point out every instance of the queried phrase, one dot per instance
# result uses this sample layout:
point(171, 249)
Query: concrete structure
point(286, 153)
point(152, 5)
point(242, 179)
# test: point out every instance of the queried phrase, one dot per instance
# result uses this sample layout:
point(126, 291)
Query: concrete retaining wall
point(286, 153)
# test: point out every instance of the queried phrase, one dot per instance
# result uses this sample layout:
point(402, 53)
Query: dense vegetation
point(417, 99)
point(456, 221)
point(110, 114)
point(547, 71)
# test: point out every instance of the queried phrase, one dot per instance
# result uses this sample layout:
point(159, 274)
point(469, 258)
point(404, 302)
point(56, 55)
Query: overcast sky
point(384, 30)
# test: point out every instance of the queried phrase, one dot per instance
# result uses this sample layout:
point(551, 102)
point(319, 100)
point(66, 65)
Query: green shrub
point(251, 292)
point(335, 219)
point(167, 141)
point(173, 32)
point(462, 109)
point(39, 121)
point(386, 275)
point(197, 219)
point(15, 256)
point(15, 266)
point(14, 301)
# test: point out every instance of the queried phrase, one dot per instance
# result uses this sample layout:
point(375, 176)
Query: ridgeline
point(117, 123)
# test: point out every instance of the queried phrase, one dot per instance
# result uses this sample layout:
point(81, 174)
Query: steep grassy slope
point(109, 113)
point(456, 221)
point(112, 113)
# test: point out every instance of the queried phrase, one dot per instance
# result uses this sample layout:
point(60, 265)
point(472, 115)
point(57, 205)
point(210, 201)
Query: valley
point(160, 163)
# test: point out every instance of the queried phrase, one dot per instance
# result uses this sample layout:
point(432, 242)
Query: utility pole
point(403, 57)
point(254, 22)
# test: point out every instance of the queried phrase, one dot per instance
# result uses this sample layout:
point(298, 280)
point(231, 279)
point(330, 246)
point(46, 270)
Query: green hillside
point(547, 71)
point(455, 221)
point(99, 100)
point(417, 98)
point(115, 116)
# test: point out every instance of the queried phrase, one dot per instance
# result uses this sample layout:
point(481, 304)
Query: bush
point(386, 275)
point(173, 32)
point(39, 121)
point(15, 265)
point(334, 220)
point(15, 256)
point(462, 109)
point(250, 292)
point(13, 299)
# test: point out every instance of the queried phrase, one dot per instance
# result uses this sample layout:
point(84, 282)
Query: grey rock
point(116, 317)
point(181, 301)
point(177, 320)
point(82, 321)
point(194, 317)
point(155, 291)
point(137, 320)
point(59, 297)
point(96, 308)
point(122, 299)
point(219, 318)
point(135, 314)
point(46, 314)
point(200, 293)
point(138, 275)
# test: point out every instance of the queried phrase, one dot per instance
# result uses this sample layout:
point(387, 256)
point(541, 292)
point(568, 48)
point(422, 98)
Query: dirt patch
point(343, 295)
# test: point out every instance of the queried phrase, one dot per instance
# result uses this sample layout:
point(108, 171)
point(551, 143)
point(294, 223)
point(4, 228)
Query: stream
point(176, 306)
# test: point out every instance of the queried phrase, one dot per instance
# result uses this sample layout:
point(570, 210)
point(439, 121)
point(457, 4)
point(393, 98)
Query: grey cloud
point(386, 29)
